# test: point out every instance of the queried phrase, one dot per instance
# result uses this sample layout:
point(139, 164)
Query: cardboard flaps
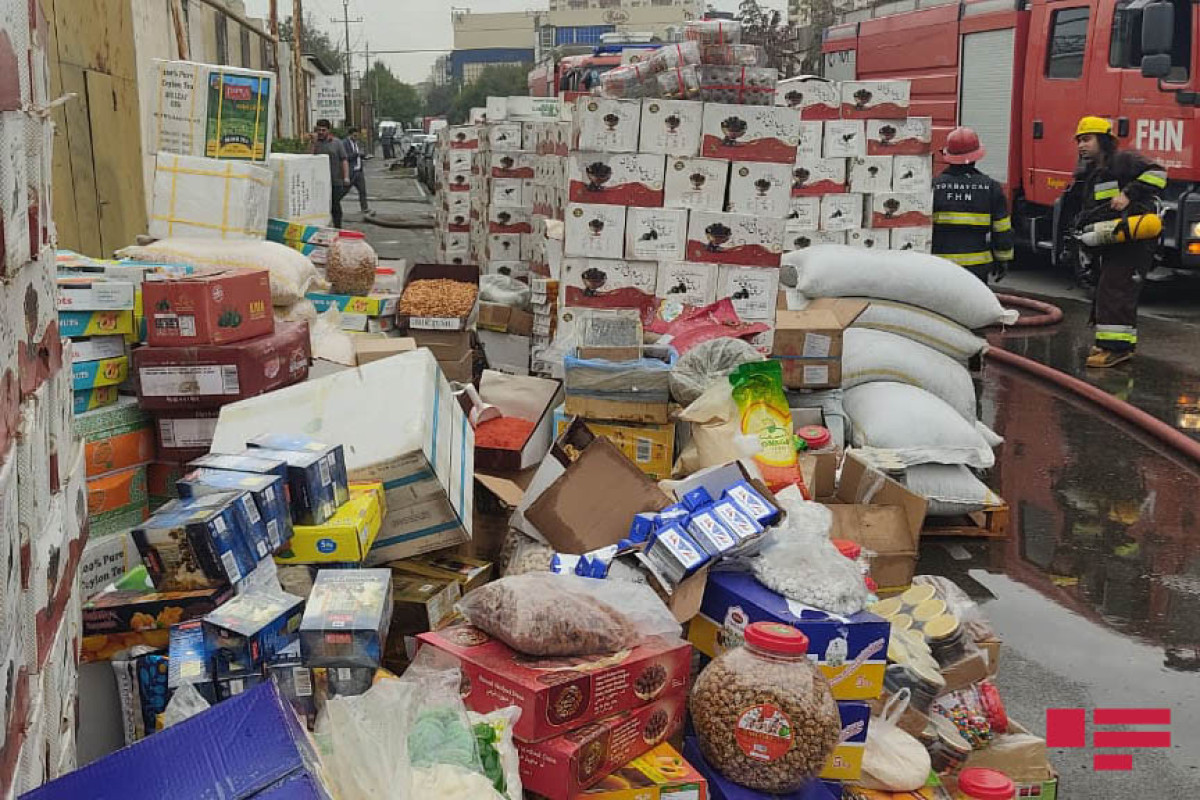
point(528, 398)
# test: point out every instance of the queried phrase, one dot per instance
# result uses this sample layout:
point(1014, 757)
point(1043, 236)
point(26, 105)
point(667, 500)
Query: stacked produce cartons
point(43, 500)
point(863, 173)
point(457, 183)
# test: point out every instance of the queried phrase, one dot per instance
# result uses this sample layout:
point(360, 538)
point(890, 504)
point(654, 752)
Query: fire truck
point(1022, 73)
point(568, 73)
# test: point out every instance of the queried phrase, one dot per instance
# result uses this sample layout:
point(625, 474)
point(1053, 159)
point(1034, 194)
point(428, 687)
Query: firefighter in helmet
point(1114, 184)
point(971, 226)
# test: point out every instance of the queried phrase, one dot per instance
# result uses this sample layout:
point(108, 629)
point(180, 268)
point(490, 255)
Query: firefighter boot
point(1100, 358)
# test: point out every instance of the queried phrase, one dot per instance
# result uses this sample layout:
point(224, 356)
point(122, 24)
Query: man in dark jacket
point(1114, 184)
point(971, 226)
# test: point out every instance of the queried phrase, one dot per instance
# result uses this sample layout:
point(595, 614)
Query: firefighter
point(971, 226)
point(1114, 184)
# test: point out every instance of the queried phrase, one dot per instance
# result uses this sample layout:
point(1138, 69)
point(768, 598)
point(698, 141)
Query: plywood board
point(117, 159)
point(77, 189)
point(97, 35)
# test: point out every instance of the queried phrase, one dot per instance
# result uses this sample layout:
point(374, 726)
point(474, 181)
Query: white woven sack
point(951, 489)
point(871, 356)
point(919, 426)
point(930, 329)
point(920, 279)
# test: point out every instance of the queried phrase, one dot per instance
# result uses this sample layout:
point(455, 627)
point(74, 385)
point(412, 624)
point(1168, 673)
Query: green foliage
point(289, 146)
point(315, 41)
point(394, 99)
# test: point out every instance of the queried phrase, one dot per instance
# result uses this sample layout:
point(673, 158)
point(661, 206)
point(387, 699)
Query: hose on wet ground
point(1048, 315)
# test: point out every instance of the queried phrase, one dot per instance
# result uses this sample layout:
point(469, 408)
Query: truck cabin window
point(1125, 47)
point(1068, 43)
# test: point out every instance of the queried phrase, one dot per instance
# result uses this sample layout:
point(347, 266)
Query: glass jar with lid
point(352, 263)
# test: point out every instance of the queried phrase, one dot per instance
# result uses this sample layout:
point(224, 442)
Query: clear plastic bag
point(893, 760)
point(714, 31)
point(184, 704)
point(544, 614)
point(364, 741)
point(706, 364)
point(494, 735)
point(670, 56)
point(522, 554)
point(678, 83)
point(505, 290)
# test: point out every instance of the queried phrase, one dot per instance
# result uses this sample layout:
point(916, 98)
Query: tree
point(439, 102)
point(314, 41)
point(394, 99)
point(819, 15)
point(771, 30)
point(494, 81)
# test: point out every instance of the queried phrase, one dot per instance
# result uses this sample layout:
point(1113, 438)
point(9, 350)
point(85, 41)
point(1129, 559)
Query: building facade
point(486, 40)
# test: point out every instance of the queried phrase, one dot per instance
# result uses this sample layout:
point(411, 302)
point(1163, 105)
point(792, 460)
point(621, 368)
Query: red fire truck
point(568, 73)
point(1022, 73)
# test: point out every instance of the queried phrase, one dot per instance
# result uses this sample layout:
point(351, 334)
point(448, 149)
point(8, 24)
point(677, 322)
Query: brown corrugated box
point(808, 341)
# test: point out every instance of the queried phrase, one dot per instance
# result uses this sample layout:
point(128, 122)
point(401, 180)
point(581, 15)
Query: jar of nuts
point(352, 263)
point(764, 715)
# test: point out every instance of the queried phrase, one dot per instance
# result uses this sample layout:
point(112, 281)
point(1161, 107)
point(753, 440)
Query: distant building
point(486, 40)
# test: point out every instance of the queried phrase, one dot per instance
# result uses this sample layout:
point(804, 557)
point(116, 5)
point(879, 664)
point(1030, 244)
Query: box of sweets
point(900, 137)
point(215, 307)
point(734, 239)
point(696, 183)
point(818, 176)
point(622, 179)
point(249, 629)
point(346, 618)
point(750, 133)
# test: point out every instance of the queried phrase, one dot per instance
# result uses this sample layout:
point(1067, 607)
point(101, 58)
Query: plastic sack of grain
point(918, 425)
point(951, 489)
point(870, 356)
point(927, 328)
point(919, 279)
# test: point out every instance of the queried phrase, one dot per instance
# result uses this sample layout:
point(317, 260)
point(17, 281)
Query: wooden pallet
point(990, 523)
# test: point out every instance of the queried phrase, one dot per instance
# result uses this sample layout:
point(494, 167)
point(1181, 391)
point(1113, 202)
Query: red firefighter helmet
point(963, 147)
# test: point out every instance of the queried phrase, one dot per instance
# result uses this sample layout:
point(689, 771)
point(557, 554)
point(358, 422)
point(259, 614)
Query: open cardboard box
point(808, 340)
point(528, 398)
point(882, 516)
point(465, 273)
point(505, 319)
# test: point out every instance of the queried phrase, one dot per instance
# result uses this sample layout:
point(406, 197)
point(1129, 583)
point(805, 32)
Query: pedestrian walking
point(971, 225)
point(327, 144)
point(387, 138)
point(1113, 184)
point(358, 178)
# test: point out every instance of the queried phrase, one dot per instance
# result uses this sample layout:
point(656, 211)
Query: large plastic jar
point(764, 716)
point(352, 264)
point(984, 784)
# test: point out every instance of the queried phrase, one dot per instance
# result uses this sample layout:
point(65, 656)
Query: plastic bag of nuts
point(438, 297)
point(764, 716)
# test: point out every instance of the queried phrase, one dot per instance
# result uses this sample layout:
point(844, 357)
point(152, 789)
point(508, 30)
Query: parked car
point(426, 166)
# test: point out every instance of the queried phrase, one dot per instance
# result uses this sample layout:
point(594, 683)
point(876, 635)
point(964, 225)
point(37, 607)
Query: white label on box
point(812, 136)
point(752, 289)
point(655, 234)
point(814, 374)
point(760, 189)
point(845, 138)
point(193, 381)
point(185, 434)
point(841, 212)
point(871, 174)
point(816, 345)
point(688, 283)
point(435, 323)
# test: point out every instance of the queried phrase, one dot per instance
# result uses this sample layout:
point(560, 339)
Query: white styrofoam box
point(815, 98)
point(804, 214)
point(900, 210)
point(426, 465)
point(869, 238)
point(14, 199)
point(509, 219)
point(61, 397)
point(212, 111)
point(900, 137)
point(301, 189)
point(671, 127)
point(504, 136)
point(687, 283)
point(607, 283)
point(812, 138)
point(749, 133)
point(594, 231)
point(623, 179)
point(841, 212)
point(696, 183)
point(504, 246)
point(753, 290)
point(760, 188)
point(912, 174)
point(918, 239)
point(875, 99)
point(605, 125)
point(870, 174)
point(845, 138)
point(209, 199)
point(796, 239)
point(513, 269)
point(512, 165)
point(11, 614)
point(818, 176)
point(33, 305)
point(506, 192)
point(734, 239)
point(655, 234)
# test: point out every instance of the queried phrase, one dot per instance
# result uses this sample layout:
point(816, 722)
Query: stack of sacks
point(906, 387)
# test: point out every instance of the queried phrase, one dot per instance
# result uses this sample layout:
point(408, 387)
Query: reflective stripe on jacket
point(971, 225)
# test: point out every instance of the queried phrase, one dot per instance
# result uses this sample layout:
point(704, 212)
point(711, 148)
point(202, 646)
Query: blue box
point(196, 543)
point(247, 747)
point(245, 632)
point(189, 662)
point(335, 457)
point(721, 788)
point(267, 490)
point(311, 492)
point(346, 618)
point(244, 462)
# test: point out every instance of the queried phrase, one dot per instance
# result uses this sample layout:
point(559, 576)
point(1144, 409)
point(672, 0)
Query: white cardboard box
point(655, 234)
point(671, 127)
point(459, 160)
point(818, 176)
point(504, 246)
point(814, 97)
point(750, 133)
point(209, 199)
point(14, 198)
point(841, 212)
point(301, 189)
point(506, 352)
point(918, 239)
point(511, 165)
point(507, 192)
point(912, 174)
point(812, 138)
point(845, 138)
point(211, 111)
point(760, 188)
point(875, 99)
point(607, 283)
point(504, 136)
point(687, 282)
point(870, 174)
point(606, 126)
point(752, 289)
point(513, 269)
point(696, 183)
point(900, 137)
point(509, 219)
point(594, 231)
point(622, 179)
point(900, 210)
point(869, 238)
point(11, 612)
point(734, 239)
point(804, 214)
point(803, 239)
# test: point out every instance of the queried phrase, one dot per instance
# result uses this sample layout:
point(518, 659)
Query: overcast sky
point(413, 24)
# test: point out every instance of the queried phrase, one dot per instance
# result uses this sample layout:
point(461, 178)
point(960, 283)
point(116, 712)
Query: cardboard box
point(89, 293)
point(595, 231)
point(214, 111)
point(900, 137)
point(446, 346)
point(367, 349)
point(97, 348)
point(470, 573)
point(851, 652)
point(800, 240)
point(606, 126)
point(267, 492)
point(346, 618)
point(841, 212)
point(687, 283)
point(561, 768)
point(193, 544)
point(117, 490)
point(321, 470)
point(912, 174)
point(651, 447)
point(608, 283)
point(209, 376)
point(760, 189)
point(31, 304)
point(818, 176)
point(846, 138)
point(815, 98)
point(76, 324)
point(371, 305)
point(506, 193)
point(250, 629)
point(427, 464)
point(464, 274)
point(528, 398)
point(655, 234)
point(734, 239)
point(184, 434)
point(504, 246)
point(116, 437)
point(623, 179)
point(345, 538)
point(288, 232)
point(696, 183)
point(504, 136)
point(896, 210)
point(660, 774)
point(812, 140)
point(875, 99)
point(634, 390)
point(215, 307)
point(463, 137)
point(809, 341)
point(504, 319)
point(750, 133)
point(420, 603)
point(88, 375)
point(670, 127)
point(503, 219)
point(119, 612)
point(92, 399)
point(508, 164)
point(301, 188)
point(869, 238)
point(208, 199)
point(804, 214)
point(871, 174)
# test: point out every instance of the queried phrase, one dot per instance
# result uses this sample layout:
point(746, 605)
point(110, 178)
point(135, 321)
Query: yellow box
point(651, 447)
point(659, 774)
point(345, 538)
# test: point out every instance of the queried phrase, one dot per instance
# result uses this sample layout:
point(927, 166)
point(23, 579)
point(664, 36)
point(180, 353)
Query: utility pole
point(345, 20)
point(273, 21)
point(299, 93)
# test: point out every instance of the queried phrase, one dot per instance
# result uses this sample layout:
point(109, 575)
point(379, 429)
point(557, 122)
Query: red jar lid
point(986, 784)
point(817, 437)
point(352, 235)
point(385, 271)
point(872, 587)
point(851, 550)
point(775, 637)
